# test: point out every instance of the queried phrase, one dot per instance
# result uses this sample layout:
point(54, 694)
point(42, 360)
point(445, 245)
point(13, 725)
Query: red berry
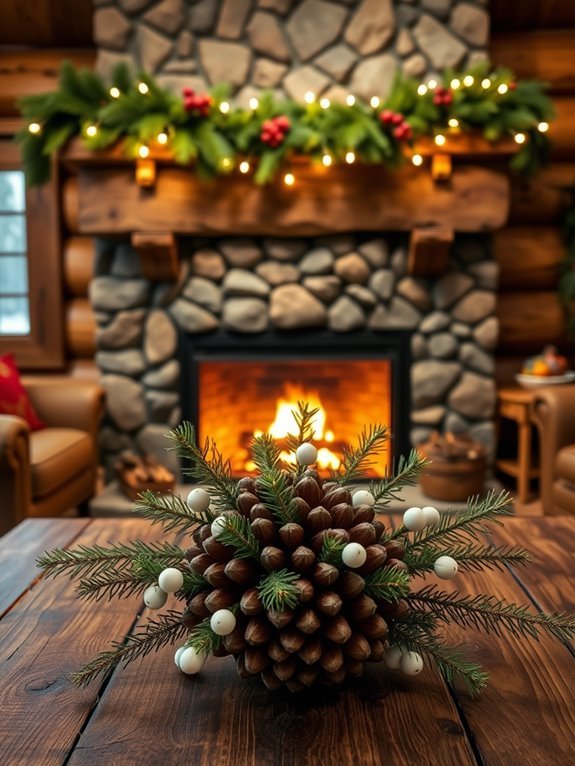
point(187, 92)
point(397, 118)
point(386, 117)
point(282, 123)
point(438, 99)
point(512, 85)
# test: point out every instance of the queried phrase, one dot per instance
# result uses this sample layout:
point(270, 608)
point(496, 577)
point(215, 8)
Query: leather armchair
point(554, 415)
point(43, 473)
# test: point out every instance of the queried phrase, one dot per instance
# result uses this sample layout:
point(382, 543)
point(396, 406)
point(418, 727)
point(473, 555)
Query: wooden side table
point(515, 404)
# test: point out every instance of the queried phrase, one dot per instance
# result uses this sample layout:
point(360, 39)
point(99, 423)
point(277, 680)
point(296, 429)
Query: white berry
point(171, 580)
point(354, 555)
point(306, 454)
point(223, 622)
point(362, 497)
point(414, 519)
point(411, 663)
point(198, 500)
point(392, 657)
point(218, 526)
point(155, 597)
point(191, 662)
point(431, 516)
point(178, 654)
point(445, 567)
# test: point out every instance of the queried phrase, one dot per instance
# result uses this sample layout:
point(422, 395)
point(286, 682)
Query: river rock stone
point(371, 27)
point(303, 79)
point(126, 263)
point(476, 359)
point(485, 434)
point(473, 396)
point(193, 318)
point(160, 404)
point(245, 315)
point(125, 402)
point(160, 338)
point(244, 283)
point(205, 293)
point(279, 6)
point(124, 331)
point(185, 44)
point(127, 361)
point(450, 288)
point(152, 48)
point(318, 261)
point(243, 253)
point(419, 348)
point(442, 345)
point(339, 244)
point(440, 46)
point(456, 424)
point(167, 376)
point(276, 273)
point(293, 307)
point(203, 15)
point(208, 263)
point(225, 61)
point(325, 288)
point(337, 61)
point(470, 23)
point(363, 295)
point(475, 306)
point(267, 73)
point(404, 44)
point(267, 36)
point(112, 440)
point(285, 249)
point(382, 283)
point(152, 439)
point(431, 380)
point(233, 15)
point(107, 61)
point(352, 268)
point(429, 416)
point(419, 435)
point(399, 315)
point(314, 25)
point(486, 274)
point(415, 291)
point(487, 333)
point(414, 66)
point(133, 6)
point(434, 322)
point(399, 262)
point(111, 29)
point(460, 329)
point(437, 7)
point(166, 16)
point(345, 315)
point(374, 76)
point(375, 252)
point(110, 294)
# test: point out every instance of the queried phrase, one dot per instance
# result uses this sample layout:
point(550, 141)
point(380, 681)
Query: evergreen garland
point(216, 138)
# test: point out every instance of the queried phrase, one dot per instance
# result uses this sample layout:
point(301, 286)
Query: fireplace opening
point(237, 387)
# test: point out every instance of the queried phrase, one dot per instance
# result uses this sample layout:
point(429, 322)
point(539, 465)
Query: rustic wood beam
point(158, 254)
point(428, 250)
point(541, 55)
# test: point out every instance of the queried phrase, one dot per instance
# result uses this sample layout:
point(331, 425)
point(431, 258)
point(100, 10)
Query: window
point(31, 322)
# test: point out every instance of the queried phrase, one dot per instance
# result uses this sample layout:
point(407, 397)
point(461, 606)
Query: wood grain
point(80, 328)
point(529, 257)
point(355, 198)
point(528, 320)
point(20, 547)
point(43, 638)
point(544, 54)
point(544, 199)
point(532, 14)
point(78, 265)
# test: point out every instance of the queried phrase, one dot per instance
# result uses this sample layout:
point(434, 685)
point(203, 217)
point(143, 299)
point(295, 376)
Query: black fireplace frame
point(222, 345)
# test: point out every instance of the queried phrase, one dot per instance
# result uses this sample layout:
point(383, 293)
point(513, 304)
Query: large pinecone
point(336, 627)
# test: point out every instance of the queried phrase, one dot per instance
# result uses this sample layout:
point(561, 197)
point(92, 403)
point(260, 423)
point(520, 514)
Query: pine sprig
point(237, 534)
point(169, 510)
point(266, 453)
point(355, 461)
point(406, 474)
point(93, 559)
point(492, 615)
point(387, 583)
point(166, 629)
point(207, 466)
point(331, 551)
point(278, 591)
point(203, 639)
point(304, 418)
point(469, 556)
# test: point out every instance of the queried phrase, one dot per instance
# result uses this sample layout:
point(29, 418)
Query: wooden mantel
point(323, 200)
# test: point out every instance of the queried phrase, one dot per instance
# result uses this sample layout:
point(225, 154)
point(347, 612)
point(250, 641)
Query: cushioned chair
point(554, 414)
point(46, 472)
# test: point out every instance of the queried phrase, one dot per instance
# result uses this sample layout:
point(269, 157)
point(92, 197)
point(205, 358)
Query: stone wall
point(328, 47)
point(341, 283)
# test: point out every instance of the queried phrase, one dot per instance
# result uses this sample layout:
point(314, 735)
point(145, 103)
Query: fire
point(284, 424)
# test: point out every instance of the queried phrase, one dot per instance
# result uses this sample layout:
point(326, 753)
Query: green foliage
point(355, 461)
point(469, 556)
point(238, 535)
point(274, 486)
point(203, 639)
point(331, 551)
point(304, 420)
point(278, 591)
point(171, 511)
point(406, 474)
point(388, 584)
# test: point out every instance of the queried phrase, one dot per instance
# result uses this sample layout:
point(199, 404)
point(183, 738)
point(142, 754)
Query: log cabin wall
point(536, 40)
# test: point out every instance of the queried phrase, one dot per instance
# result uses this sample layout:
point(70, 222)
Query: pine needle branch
point(238, 534)
point(203, 639)
point(355, 461)
point(266, 454)
point(276, 492)
point(388, 584)
point(469, 556)
point(405, 474)
point(304, 418)
point(331, 551)
point(155, 634)
point(93, 559)
point(493, 615)
point(207, 466)
point(171, 511)
point(278, 591)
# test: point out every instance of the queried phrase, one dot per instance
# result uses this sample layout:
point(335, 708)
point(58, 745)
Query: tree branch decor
point(218, 138)
point(296, 577)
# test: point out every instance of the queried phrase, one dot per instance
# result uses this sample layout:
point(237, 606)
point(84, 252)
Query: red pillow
point(13, 397)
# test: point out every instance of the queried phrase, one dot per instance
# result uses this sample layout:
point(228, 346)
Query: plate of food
point(546, 369)
point(535, 381)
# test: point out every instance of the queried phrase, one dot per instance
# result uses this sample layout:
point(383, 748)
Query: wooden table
point(151, 714)
point(515, 404)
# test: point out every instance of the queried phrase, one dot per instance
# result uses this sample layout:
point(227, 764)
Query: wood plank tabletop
point(149, 713)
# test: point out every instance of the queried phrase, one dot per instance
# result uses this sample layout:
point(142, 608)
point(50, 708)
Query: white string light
point(468, 80)
point(422, 89)
point(440, 139)
point(327, 159)
point(543, 127)
point(519, 138)
point(486, 83)
point(244, 167)
point(503, 88)
point(226, 163)
point(143, 88)
point(162, 138)
point(91, 130)
point(289, 179)
point(34, 128)
point(253, 103)
point(350, 157)
point(143, 151)
point(432, 84)
point(417, 160)
point(455, 84)
point(309, 97)
point(325, 103)
point(350, 99)
point(224, 107)
point(374, 102)
point(115, 92)
point(453, 122)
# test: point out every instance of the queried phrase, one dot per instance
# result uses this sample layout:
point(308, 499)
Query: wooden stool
point(515, 404)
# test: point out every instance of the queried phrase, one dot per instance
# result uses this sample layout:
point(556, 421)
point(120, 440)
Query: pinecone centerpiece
point(296, 577)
